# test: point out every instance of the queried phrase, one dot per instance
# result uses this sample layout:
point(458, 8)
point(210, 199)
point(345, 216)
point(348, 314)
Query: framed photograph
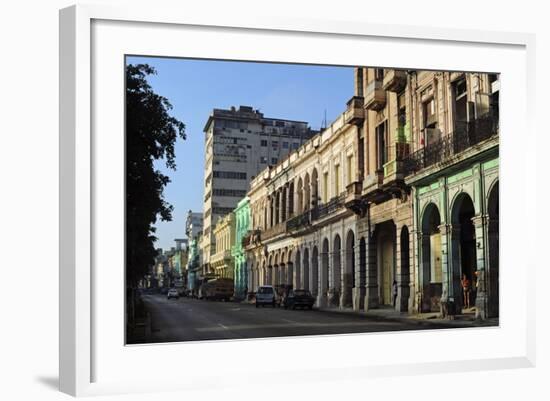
point(244, 192)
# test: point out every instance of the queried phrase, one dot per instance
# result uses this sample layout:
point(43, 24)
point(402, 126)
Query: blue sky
point(195, 87)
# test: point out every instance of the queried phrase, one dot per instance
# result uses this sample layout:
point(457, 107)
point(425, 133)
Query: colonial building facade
point(222, 261)
point(400, 192)
point(243, 224)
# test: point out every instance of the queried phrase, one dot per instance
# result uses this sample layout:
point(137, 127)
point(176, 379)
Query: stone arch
point(314, 188)
point(336, 274)
point(349, 270)
point(431, 272)
point(306, 270)
point(385, 240)
point(463, 244)
point(300, 196)
point(324, 276)
point(403, 279)
point(314, 271)
point(307, 193)
point(297, 283)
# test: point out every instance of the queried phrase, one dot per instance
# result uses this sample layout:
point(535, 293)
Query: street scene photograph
point(275, 200)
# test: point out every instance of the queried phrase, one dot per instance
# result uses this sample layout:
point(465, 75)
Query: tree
point(151, 134)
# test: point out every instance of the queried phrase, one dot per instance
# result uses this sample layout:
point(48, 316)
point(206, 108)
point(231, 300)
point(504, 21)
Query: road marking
point(289, 321)
point(349, 324)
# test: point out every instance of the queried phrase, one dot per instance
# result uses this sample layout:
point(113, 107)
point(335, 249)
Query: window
point(325, 187)
point(279, 123)
point(295, 145)
point(337, 180)
point(235, 193)
point(350, 169)
point(273, 160)
point(460, 104)
point(381, 145)
point(275, 144)
point(285, 145)
point(263, 159)
point(263, 142)
point(235, 175)
point(379, 74)
point(430, 119)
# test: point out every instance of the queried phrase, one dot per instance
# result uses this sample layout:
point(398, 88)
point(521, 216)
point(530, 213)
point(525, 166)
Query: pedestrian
point(394, 292)
point(466, 288)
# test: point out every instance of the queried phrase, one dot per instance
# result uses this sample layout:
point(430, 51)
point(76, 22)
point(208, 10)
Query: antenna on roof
point(324, 123)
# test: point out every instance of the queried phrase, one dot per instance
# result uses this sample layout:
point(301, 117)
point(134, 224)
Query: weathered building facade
point(393, 204)
point(222, 261)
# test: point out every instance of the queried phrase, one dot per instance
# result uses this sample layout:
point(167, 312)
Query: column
point(448, 292)
point(358, 291)
point(455, 269)
point(345, 276)
point(371, 282)
point(323, 261)
point(481, 285)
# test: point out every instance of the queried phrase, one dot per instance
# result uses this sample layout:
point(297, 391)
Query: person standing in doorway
point(465, 291)
point(394, 292)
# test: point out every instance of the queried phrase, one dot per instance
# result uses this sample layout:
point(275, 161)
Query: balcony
point(355, 113)
point(353, 190)
point(394, 80)
point(395, 167)
point(331, 207)
point(251, 238)
point(466, 135)
point(274, 231)
point(375, 96)
point(297, 223)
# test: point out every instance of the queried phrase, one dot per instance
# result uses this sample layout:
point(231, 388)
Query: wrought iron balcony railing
point(329, 208)
point(299, 222)
point(466, 135)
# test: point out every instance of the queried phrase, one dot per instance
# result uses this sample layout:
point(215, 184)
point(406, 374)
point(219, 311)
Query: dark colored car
point(298, 298)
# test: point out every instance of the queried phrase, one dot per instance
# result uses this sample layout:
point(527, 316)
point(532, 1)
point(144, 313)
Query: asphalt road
point(187, 319)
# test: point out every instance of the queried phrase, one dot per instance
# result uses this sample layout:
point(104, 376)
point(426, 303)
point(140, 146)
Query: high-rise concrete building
point(193, 225)
point(239, 143)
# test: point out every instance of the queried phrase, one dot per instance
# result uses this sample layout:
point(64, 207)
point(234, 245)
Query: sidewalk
point(467, 319)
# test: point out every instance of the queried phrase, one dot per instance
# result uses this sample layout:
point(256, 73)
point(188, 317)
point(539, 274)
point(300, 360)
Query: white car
point(172, 293)
point(266, 295)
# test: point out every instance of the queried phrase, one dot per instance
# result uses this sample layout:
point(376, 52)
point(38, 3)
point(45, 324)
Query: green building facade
point(243, 223)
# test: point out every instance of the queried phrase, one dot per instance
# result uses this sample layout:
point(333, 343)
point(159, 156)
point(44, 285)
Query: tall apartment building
point(193, 225)
point(239, 143)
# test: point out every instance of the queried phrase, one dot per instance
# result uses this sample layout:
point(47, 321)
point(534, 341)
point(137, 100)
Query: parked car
point(298, 298)
point(266, 295)
point(172, 293)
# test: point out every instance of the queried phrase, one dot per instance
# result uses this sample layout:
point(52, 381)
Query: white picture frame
point(90, 357)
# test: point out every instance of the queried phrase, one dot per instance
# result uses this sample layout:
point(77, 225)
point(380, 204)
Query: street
point(188, 319)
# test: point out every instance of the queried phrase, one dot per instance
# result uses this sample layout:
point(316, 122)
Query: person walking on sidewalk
point(394, 292)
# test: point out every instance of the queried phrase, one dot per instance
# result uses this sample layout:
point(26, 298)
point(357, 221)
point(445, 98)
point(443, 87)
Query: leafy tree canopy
point(151, 134)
